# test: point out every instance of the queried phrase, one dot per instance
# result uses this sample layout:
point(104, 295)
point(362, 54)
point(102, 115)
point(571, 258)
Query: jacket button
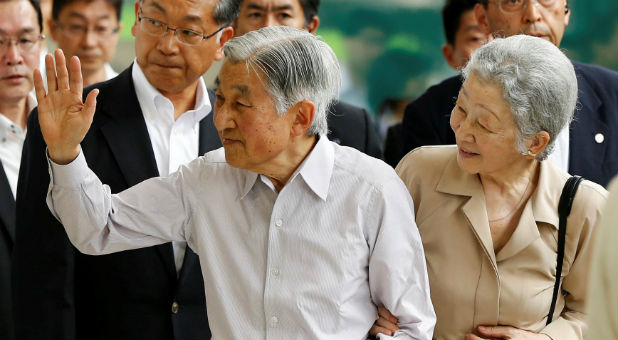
point(599, 138)
point(175, 307)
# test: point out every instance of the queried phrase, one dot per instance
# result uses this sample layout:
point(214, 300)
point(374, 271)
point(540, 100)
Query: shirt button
point(274, 320)
point(599, 138)
point(175, 307)
point(275, 271)
point(279, 223)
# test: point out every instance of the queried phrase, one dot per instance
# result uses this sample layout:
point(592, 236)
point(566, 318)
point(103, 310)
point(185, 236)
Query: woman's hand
point(504, 332)
point(386, 323)
point(63, 117)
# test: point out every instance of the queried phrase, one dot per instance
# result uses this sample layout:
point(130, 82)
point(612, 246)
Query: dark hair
point(58, 5)
point(310, 8)
point(226, 11)
point(37, 8)
point(451, 16)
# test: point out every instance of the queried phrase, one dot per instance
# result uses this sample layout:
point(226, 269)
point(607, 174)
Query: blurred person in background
point(20, 43)
point(463, 35)
point(348, 125)
point(487, 208)
point(89, 30)
point(589, 146)
point(155, 116)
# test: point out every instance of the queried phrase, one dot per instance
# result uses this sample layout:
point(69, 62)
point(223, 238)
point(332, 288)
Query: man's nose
point(168, 43)
point(12, 54)
point(532, 12)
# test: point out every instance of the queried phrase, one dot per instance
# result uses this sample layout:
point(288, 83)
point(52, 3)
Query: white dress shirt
point(310, 262)
point(560, 155)
point(12, 139)
point(174, 142)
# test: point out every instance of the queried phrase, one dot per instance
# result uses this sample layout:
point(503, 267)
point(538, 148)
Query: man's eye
point(242, 104)
point(189, 33)
point(254, 15)
point(154, 22)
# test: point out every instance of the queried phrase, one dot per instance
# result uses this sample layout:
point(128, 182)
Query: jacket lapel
point(584, 149)
point(7, 207)
point(454, 181)
point(127, 136)
point(209, 137)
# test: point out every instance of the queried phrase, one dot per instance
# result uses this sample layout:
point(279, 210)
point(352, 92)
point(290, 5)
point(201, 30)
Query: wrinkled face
point(169, 65)
point(536, 20)
point(255, 14)
point(468, 38)
point(485, 129)
point(251, 130)
point(18, 21)
point(89, 30)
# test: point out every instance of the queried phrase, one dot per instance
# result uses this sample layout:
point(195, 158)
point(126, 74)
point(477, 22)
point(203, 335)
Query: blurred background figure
point(463, 36)
point(602, 292)
point(20, 43)
point(347, 124)
point(89, 30)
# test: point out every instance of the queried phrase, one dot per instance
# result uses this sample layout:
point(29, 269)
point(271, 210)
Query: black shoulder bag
point(564, 209)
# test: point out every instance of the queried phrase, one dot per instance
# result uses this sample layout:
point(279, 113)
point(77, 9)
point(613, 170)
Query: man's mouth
point(466, 153)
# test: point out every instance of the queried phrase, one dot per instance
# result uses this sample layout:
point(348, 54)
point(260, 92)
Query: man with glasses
point(88, 30)
point(152, 118)
point(20, 43)
point(589, 146)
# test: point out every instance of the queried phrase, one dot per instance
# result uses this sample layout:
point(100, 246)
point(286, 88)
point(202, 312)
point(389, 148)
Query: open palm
point(63, 117)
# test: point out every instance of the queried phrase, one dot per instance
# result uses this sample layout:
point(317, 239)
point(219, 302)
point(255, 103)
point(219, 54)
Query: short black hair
point(58, 5)
point(310, 8)
point(451, 16)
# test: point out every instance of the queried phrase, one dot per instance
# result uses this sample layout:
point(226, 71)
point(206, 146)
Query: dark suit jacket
point(352, 126)
point(593, 145)
point(7, 237)
point(60, 293)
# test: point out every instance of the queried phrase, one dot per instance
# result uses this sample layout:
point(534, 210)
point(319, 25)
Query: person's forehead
point(271, 4)
point(186, 10)
point(240, 78)
point(17, 17)
point(88, 10)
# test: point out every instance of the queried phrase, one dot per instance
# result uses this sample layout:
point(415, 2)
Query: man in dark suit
point(592, 137)
point(20, 44)
point(347, 124)
point(152, 118)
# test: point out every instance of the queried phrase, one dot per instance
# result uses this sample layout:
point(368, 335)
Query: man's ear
point(447, 52)
point(538, 142)
point(303, 115)
point(480, 13)
point(134, 27)
point(222, 37)
point(313, 25)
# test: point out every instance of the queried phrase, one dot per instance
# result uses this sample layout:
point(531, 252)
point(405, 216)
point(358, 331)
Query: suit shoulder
point(597, 75)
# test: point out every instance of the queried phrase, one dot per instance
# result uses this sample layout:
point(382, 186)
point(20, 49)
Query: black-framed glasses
point(511, 6)
point(184, 35)
point(79, 30)
point(24, 43)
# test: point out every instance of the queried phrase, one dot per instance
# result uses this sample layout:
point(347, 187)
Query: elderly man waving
point(298, 237)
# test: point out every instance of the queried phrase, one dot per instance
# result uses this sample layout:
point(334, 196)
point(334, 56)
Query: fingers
point(38, 86)
point(61, 70)
point(91, 104)
point(386, 314)
point(75, 76)
point(386, 324)
point(471, 336)
point(496, 331)
point(51, 73)
point(377, 329)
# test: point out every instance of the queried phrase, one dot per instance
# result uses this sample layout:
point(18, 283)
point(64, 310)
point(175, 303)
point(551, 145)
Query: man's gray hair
point(295, 65)
point(537, 80)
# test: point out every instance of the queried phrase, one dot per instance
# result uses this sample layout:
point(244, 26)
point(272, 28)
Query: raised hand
point(63, 117)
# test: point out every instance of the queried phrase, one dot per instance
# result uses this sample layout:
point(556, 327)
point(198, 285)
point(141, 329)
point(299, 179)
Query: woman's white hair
point(296, 66)
point(537, 80)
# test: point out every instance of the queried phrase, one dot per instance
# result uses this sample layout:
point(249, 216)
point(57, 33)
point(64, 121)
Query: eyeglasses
point(78, 30)
point(23, 43)
point(511, 6)
point(184, 35)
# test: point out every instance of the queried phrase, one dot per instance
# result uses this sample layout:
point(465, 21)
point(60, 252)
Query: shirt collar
point(109, 71)
point(316, 170)
point(148, 95)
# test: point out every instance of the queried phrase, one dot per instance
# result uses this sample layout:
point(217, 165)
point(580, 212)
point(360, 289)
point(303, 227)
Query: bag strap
point(564, 209)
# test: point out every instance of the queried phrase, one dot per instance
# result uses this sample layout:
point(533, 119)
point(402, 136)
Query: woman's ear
point(538, 142)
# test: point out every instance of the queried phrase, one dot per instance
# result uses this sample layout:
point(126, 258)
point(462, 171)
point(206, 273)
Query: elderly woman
point(487, 208)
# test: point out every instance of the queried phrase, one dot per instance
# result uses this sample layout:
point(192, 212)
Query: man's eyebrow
point(472, 28)
point(158, 7)
point(193, 18)
point(252, 5)
point(243, 89)
point(21, 31)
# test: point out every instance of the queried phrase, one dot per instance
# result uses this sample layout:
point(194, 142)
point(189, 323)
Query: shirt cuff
point(69, 175)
